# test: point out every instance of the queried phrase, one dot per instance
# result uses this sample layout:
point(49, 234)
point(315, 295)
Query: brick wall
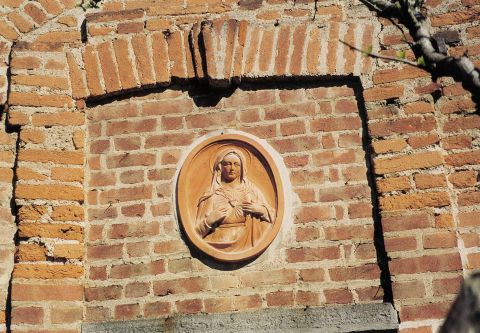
point(137, 263)
point(424, 139)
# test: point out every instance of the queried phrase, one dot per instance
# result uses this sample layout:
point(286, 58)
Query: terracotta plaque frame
point(197, 172)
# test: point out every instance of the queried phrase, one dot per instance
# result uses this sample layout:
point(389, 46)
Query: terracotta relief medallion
point(230, 198)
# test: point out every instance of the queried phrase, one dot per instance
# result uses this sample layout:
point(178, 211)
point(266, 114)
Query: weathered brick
point(52, 192)
point(27, 315)
point(102, 293)
point(363, 272)
point(69, 251)
point(383, 92)
point(461, 159)
point(408, 162)
point(34, 99)
point(46, 292)
point(406, 222)
point(46, 156)
point(257, 278)
point(426, 181)
point(426, 263)
point(426, 311)
point(45, 271)
point(463, 179)
point(312, 254)
point(414, 201)
point(58, 119)
point(402, 125)
point(393, 184)
point(44, 230)
point(180, 286)
point(96, 252)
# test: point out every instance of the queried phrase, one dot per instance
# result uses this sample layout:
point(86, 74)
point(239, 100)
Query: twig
point(378, 56)
point(409, 14)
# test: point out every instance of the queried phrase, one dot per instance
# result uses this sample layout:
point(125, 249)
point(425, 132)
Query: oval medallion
point(230, 197)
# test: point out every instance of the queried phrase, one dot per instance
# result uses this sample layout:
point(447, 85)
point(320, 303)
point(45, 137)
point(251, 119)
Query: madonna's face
point(231, 167)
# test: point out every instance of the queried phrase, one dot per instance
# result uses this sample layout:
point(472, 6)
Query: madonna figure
point(233, 214)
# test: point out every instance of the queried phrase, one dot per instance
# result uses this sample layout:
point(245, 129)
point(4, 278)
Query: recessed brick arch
point(220, 52)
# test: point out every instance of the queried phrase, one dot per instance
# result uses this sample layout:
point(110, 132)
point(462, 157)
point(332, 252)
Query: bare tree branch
point(378, 56)
point(408, 13)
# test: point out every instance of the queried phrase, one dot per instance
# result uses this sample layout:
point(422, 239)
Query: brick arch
point(219, 52)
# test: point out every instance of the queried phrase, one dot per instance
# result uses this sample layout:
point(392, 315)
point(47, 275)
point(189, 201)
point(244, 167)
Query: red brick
point(176, 54)
point(473, 260)
point(157, 309)
point(47, 272)
point(414, 201)
point(307, 298)
point(427, 263)
point(364, 272)
point(129, 143)
point(279, 298)
point(423, 141)
point(51, 156)
point(96, 252)
point(426, 311)
point(461, 159)
point(66, 315)
point(125, 65)
point(457, 142)
point(46, 292)
point(160, 58)
point(427, 181)
point(383, 93)
point(312, 254)
point(402, 126)
point(189, 306)
point(464, 123)
point(406, 243)
point(92, 68)
point(398, 74)
point(312, 275)
point(314, 213)
point(247, 302)
point(338, 296)
point(418, 107)
point(108, 16)
point(463, 179)
point(143, 60)
point(447, 286)
point(342, 193)
point(216, 305)
point(35, 13)
point(408, 162)
point(102, 293)
point(335, 157)
point(307, 234)
point(335, 124)
point(34, 99)
point(126, 194)
point(127, 311)
point(50, 192)
point(139, 229)
point(166, 140)
point(129, 160)
point(180, 286)
point(408, 289)
point(283, 48)
point(343, 232)
point(98, 273)
point(27, 315)
point(254, 279)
